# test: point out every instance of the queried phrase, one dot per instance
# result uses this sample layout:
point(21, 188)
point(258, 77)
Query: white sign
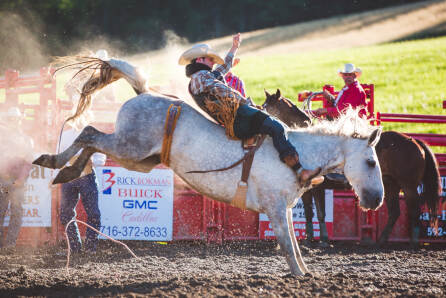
point(266, 231)
point(134, 205)
point(37, 199)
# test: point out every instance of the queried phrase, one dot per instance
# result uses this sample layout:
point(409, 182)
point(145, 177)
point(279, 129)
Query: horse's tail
point(431, 181)
point(103, 73)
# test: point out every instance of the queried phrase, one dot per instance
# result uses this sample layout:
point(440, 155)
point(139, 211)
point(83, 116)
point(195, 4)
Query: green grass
point(409, 77)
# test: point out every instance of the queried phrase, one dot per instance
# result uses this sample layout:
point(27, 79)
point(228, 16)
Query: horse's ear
point(374, 137)
point(266, 93)
point(278, 95)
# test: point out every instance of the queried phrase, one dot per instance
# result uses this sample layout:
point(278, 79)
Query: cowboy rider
point(232, 110)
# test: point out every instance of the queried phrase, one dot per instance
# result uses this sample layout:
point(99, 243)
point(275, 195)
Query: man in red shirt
point(351, 95)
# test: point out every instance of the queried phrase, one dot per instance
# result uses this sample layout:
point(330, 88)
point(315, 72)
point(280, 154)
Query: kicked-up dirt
point(248, 269)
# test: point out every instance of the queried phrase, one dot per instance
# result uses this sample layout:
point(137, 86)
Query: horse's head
point(362, 170)
point(285, 110)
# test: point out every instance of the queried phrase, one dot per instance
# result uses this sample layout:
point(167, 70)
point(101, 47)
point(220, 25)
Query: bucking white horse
point(345, 146)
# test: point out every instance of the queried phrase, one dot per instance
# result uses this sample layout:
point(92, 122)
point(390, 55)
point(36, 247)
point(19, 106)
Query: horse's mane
point(349, 124)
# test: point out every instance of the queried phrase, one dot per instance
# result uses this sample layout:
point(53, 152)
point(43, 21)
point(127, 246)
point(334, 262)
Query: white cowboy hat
point(102, 54)
point(350, 68)
point(197, 51)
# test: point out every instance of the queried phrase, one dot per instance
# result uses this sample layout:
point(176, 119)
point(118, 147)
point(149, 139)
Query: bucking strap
point(169, 126)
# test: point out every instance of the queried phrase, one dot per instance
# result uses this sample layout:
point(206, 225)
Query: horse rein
point(306, 106)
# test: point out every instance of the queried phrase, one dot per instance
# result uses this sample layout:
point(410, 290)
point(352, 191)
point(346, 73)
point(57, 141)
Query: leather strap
point(171, 120)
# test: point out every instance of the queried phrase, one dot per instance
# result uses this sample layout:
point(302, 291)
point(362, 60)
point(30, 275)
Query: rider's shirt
point(235, 83)
point(351, 95)
point(205, 81)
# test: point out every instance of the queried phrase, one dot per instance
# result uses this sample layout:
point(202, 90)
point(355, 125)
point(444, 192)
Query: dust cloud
point(21, 48)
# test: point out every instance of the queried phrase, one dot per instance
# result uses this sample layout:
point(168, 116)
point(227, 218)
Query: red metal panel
point(412, 116)
point(400, 232)
point(188, 217)
point(240, 224)
point(345, 218)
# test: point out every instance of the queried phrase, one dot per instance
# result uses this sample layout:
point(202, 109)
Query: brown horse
point(405, 164)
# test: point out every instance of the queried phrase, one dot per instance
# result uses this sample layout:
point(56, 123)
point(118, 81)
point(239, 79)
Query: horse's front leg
point(319, 199)
point(413, 208)
point(281, 228)
point(300, 261)
point(391, 191)
point(307, 200)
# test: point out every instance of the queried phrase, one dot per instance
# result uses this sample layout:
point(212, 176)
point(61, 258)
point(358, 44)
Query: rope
point(68, 242)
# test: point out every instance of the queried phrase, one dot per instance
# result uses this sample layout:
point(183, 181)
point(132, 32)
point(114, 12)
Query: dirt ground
point(256, 268)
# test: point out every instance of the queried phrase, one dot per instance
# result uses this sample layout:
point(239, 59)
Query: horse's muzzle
point(371, 200)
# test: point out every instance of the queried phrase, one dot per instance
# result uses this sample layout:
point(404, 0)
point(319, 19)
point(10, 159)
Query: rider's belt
point(173, 112)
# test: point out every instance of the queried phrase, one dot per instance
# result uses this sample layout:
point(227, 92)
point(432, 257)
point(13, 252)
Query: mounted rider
point(232, 110)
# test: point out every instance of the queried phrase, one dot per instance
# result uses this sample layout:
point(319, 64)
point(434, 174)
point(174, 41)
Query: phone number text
point(134, 231)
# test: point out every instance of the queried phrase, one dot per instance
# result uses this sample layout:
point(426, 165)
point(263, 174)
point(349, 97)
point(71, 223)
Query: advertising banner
point(37, 199)
point(438, 231)
point(266, 230)
point(134, 205)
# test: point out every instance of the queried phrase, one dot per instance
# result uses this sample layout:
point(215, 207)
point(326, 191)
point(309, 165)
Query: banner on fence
point(134, 205)
point(266, 230)
point(438, 231)
point(37, 199)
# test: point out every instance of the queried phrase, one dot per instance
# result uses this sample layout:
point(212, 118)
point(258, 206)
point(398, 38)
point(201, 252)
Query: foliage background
point(57, 27)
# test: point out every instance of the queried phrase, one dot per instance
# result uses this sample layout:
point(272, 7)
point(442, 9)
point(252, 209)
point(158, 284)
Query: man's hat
point(350, 68)
point(102, 54)
point(197, 51)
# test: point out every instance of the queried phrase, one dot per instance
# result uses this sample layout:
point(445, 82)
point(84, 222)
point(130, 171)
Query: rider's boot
point(305, 177)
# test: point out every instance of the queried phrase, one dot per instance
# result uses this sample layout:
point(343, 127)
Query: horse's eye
point(371, 163)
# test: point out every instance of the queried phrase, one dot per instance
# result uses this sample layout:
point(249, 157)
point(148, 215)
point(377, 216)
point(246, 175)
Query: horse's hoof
point(308, 242)
point(66, 175)
point(323, 244)
point(46, 160)
point(415, 245)
point(367, 242)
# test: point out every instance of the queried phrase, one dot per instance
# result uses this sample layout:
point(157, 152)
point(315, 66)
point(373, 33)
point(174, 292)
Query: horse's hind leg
point(413, 208)
point(57, 161)
point(74, 171)
point(279, 221)
point(391, 197)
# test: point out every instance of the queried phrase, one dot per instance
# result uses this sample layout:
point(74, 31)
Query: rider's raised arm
point(225, 68)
